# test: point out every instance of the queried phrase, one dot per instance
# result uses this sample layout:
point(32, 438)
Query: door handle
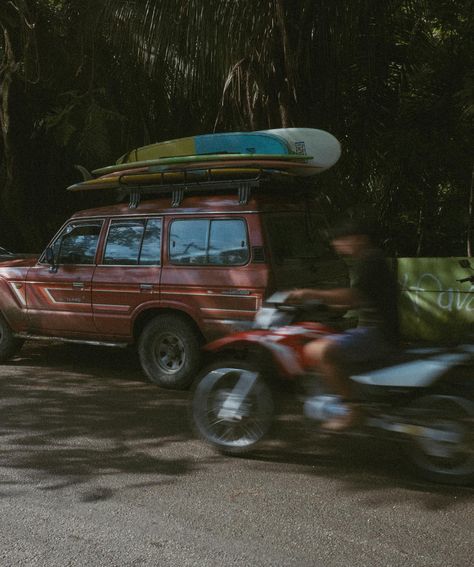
point(146, 287)
point(78, 285)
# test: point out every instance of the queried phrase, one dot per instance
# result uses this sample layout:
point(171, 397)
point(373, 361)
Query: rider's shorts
point(362, 344)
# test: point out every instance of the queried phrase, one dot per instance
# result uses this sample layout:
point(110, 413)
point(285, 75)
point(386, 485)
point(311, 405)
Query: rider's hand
point(297, 295)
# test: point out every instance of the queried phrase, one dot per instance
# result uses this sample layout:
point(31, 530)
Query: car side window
point(124, 242)
point(221, 242)
point(188, 241)
point(133, 241)
point(77, 244)
point(228, 244)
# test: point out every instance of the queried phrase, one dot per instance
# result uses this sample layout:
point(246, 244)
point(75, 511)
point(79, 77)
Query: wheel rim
point(236, 430)
point(169, 353)
point(453, 452)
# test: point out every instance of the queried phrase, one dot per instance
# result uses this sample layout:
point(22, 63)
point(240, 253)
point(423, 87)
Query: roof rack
point(178, 190)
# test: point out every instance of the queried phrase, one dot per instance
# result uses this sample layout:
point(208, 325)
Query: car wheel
point(170, 351)
point(9, 345)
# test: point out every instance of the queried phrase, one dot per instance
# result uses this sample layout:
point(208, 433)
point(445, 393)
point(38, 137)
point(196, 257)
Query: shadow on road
point(69, 413)
point(366, 466)
point(72, 413)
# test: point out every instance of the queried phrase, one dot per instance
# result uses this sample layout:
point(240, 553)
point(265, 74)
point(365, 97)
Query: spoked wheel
point(444, 449)
point(232, 407)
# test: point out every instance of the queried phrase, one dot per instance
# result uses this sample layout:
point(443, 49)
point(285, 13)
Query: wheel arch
point(148, 315)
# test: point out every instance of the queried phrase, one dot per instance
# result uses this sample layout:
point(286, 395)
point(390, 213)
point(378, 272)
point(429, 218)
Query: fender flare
point(282, 356)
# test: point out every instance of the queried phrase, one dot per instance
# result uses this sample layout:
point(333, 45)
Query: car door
point(59, 297)
point(127, 278)
point(210, 274)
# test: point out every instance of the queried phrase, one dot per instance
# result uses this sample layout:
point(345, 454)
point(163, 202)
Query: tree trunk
point(286, 79)
point(7, 71)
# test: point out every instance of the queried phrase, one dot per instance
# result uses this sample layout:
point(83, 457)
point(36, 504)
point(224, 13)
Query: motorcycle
point(422, 397)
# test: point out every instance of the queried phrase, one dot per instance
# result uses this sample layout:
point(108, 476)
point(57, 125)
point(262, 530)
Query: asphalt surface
point(100, 468)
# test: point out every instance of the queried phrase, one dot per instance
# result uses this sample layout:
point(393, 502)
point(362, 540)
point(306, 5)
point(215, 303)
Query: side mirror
point(49, 257)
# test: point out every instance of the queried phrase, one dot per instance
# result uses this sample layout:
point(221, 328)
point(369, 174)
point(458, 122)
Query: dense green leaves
point(393, 80)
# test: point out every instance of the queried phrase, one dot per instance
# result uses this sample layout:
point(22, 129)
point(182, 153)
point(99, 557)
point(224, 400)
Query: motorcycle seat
point(413, 368)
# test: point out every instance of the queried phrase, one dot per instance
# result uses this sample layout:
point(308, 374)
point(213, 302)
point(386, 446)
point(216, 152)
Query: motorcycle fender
point(282, 356)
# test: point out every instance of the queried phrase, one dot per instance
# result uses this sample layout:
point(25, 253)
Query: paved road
point(100, 468)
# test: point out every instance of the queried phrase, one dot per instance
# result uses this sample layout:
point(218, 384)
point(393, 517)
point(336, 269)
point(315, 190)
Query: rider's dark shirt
point(378, 287)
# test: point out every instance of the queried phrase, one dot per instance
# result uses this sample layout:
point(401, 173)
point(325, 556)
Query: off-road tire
point(209, 391)
point(170, 351)
point(456, 464)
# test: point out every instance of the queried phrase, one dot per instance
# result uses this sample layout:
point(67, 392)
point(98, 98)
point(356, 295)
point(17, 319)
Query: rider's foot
point(341, 423)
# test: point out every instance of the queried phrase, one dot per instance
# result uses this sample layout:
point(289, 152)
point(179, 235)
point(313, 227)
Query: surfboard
point(168, 178)
point(221, 143)
point(324, 148)
point(197, 159)
point(191, 172)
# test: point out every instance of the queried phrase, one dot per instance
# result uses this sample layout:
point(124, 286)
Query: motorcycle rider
point(373, 292)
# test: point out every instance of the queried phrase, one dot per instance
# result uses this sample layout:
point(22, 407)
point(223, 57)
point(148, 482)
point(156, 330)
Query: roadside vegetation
point(83, 81)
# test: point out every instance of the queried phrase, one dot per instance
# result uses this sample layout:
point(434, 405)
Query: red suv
point(164, 276)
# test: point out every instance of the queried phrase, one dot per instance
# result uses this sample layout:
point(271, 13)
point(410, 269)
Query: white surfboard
point(324, 148)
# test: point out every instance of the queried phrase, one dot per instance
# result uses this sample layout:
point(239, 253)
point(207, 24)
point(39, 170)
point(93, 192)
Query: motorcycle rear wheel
point(231, 421)
point(449, 460)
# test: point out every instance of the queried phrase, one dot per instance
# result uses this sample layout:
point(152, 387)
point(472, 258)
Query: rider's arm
point(344, 297)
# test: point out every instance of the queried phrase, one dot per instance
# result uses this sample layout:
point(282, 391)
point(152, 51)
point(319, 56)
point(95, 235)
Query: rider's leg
point(323, 354)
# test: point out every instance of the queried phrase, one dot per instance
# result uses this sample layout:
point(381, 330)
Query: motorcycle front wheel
point(232, 406)
point(445, 451)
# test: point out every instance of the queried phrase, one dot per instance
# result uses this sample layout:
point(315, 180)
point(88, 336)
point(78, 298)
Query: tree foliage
point(393, 80)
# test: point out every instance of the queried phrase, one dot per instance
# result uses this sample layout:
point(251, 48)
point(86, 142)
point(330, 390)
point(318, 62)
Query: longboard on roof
point(192, 172)
point(295, 152)
point(320, 148)
point(223, 143)
point(194, 159)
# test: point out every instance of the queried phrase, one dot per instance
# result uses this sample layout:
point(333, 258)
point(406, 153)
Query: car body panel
point(218, 290)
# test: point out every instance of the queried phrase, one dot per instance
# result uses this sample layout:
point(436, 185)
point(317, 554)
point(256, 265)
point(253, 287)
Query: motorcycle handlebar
point(309, 305)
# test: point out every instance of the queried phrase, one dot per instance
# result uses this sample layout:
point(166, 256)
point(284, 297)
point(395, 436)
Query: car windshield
point(296, 236)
